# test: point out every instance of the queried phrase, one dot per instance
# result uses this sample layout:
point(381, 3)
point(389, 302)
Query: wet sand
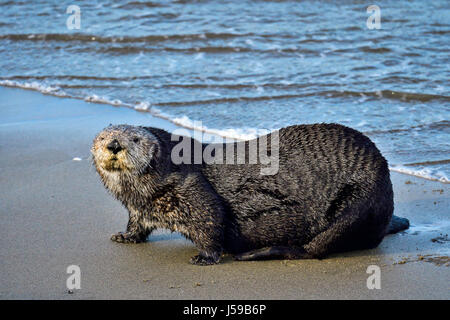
point(55, 213)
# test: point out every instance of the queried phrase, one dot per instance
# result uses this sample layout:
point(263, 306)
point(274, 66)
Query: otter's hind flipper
point(397, 224)
point(277, 252)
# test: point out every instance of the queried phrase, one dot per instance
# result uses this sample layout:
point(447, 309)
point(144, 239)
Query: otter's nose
point(114, 146)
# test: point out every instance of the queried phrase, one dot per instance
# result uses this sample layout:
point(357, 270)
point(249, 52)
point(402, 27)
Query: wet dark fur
point(332, 194)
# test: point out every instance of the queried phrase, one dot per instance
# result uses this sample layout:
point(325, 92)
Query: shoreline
point(56, 213)
point(117, 103)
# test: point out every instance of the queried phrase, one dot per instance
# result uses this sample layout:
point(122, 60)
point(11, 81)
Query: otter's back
point(308, 154)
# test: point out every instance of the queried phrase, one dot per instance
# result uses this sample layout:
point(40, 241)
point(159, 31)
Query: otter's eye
point(136, 140)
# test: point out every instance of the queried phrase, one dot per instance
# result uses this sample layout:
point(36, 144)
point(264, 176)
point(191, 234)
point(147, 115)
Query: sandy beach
point(55, 213)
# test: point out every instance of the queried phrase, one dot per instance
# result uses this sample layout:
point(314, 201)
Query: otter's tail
point(397, 224)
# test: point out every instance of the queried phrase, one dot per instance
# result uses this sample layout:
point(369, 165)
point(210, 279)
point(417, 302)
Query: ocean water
point(240, 66)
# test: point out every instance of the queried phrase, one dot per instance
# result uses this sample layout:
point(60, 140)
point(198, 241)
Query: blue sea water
point(239, 66)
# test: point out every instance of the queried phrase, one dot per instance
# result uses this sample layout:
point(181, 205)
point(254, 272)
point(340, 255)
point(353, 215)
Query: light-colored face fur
point(135, 148)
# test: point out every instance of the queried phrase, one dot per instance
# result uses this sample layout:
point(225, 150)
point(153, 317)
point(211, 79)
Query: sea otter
point(331, 191)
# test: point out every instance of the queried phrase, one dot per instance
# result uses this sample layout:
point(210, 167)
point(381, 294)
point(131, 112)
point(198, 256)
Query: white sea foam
point(105, 100)
point(441, 226)
point(238, 134)
point(361, 124)
point(186, 122)
point(426, 173)
point(56, 91)
point(142, 106)
point(53, 90)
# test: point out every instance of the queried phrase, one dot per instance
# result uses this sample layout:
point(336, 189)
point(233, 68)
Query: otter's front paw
point(126, 237)
point(201, 260)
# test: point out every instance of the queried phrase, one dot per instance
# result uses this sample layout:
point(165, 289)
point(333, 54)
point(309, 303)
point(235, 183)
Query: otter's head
point(124, 148)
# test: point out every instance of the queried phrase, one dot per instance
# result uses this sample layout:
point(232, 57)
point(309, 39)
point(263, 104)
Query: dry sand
point(55, 213)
